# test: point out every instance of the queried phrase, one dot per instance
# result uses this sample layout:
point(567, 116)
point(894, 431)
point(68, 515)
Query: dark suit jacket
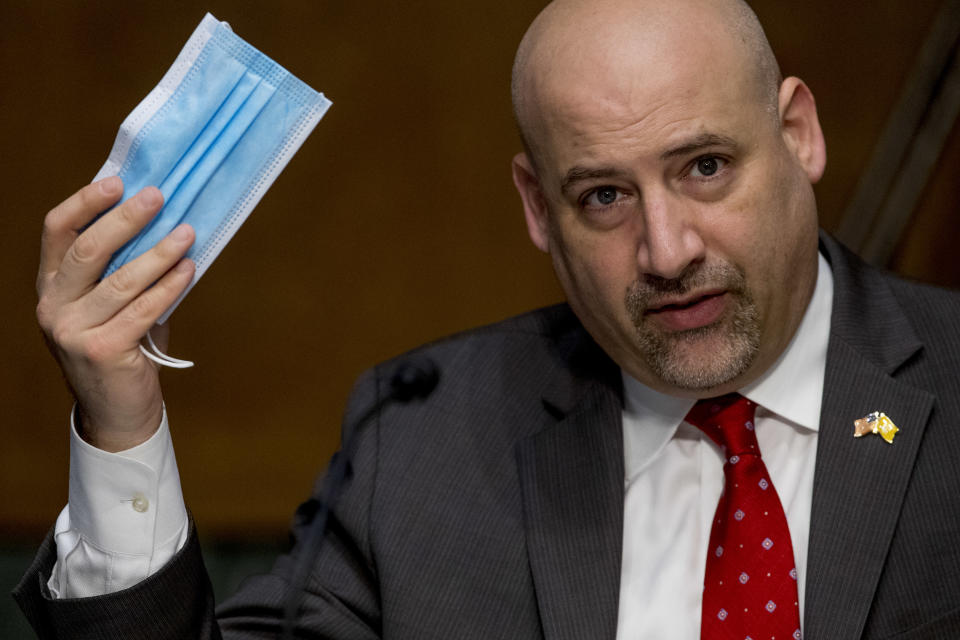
point(494, 509)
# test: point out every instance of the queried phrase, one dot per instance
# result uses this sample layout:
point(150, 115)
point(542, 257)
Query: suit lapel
point(860, 483)
point(571, 476)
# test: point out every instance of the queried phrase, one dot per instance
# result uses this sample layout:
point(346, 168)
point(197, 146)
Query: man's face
point(680, 221)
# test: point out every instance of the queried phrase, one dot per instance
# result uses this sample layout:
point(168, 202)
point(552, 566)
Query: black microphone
point(414, 377)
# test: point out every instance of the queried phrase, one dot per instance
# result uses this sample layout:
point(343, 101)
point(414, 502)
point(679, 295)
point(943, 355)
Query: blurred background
point(395, 224)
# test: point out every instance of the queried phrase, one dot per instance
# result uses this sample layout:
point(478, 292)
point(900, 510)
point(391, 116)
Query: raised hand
point(93, 327)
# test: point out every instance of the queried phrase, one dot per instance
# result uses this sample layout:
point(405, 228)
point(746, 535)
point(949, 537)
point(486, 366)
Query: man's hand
point(93, 326)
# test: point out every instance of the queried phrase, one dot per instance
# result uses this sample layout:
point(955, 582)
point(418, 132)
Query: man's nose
point(670, 239)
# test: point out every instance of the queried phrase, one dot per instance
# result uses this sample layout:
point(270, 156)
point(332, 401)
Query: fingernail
point(181, 233)
point(149, 198)
point(110, 186)
point(184, 266)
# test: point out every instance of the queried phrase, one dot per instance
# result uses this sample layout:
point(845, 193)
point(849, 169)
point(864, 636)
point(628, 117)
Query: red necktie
point(750, 585)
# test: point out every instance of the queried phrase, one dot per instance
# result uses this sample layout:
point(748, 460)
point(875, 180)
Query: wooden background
point(396, 223)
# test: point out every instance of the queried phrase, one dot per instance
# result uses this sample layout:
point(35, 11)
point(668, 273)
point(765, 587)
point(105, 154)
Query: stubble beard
point(705, 357)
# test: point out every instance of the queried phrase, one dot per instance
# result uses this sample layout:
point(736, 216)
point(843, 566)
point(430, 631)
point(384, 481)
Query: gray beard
point(735, 338)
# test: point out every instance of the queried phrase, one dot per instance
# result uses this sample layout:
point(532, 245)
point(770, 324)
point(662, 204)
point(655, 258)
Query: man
point(551, 486)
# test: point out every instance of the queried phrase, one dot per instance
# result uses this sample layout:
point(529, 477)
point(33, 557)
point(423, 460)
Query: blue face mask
point(213, 136)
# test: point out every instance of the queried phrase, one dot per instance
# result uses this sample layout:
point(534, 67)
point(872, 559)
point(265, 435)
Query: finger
point(62, 225)
point(87, 257)
point(116, 291)
point(134, 320)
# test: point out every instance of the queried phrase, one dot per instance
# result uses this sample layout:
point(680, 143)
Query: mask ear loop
point(161, 358)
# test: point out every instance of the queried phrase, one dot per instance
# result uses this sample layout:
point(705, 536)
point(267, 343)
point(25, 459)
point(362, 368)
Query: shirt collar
point(792, 388)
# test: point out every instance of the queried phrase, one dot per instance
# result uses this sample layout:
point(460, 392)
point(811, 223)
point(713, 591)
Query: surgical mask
point(212, 136)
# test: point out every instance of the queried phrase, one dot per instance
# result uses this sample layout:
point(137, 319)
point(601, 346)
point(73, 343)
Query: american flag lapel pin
point(877, 422)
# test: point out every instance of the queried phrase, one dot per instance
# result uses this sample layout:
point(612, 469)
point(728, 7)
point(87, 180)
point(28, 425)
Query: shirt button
point(140, 503)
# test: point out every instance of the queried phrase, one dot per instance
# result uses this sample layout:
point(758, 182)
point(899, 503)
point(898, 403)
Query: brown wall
point(396, 223)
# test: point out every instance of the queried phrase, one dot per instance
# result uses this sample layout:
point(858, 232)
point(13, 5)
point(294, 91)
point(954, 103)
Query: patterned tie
point(750, 586)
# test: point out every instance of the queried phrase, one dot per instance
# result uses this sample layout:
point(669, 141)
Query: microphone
point(413, 378)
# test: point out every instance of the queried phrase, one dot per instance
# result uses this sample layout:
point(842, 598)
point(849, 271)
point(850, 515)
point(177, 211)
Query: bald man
point(556, 484)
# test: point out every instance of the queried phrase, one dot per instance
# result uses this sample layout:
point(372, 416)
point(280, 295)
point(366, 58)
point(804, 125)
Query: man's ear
point(534, 204)
point(801, 127)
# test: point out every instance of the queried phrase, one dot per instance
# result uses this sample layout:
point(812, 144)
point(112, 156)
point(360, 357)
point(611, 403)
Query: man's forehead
point(617, 59)
point(621, 73)
point(632, 94)
point(590, 122)
point(615, 64)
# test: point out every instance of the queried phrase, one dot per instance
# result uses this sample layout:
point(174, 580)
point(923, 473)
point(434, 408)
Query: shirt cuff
point(129, 502)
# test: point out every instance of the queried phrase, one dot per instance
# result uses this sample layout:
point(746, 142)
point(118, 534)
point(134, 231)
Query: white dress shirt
point(126, 517)
point(674, 477)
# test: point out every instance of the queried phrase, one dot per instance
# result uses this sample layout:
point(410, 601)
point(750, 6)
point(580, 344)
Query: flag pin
point(876, 422)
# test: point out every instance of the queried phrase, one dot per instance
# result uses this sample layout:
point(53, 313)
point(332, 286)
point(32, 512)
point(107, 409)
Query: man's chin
point(698, 359)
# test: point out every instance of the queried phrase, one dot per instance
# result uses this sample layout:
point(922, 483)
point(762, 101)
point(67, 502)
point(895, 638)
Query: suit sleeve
point(340, 601)
point(175, 602)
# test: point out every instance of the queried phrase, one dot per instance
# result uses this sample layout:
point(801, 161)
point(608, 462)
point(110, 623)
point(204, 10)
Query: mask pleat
point(208, 136)
point(209, 150)
point(259, 154)
point(205, 90)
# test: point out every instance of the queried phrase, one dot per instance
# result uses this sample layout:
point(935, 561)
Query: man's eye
point(602, 197)
point(706, 166)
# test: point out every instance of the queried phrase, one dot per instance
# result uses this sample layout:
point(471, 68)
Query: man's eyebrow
point(699, 142)
point(579, 174)
point(702, 141)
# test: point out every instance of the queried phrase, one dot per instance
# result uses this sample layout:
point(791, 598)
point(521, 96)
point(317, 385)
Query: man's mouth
point(692, 311)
